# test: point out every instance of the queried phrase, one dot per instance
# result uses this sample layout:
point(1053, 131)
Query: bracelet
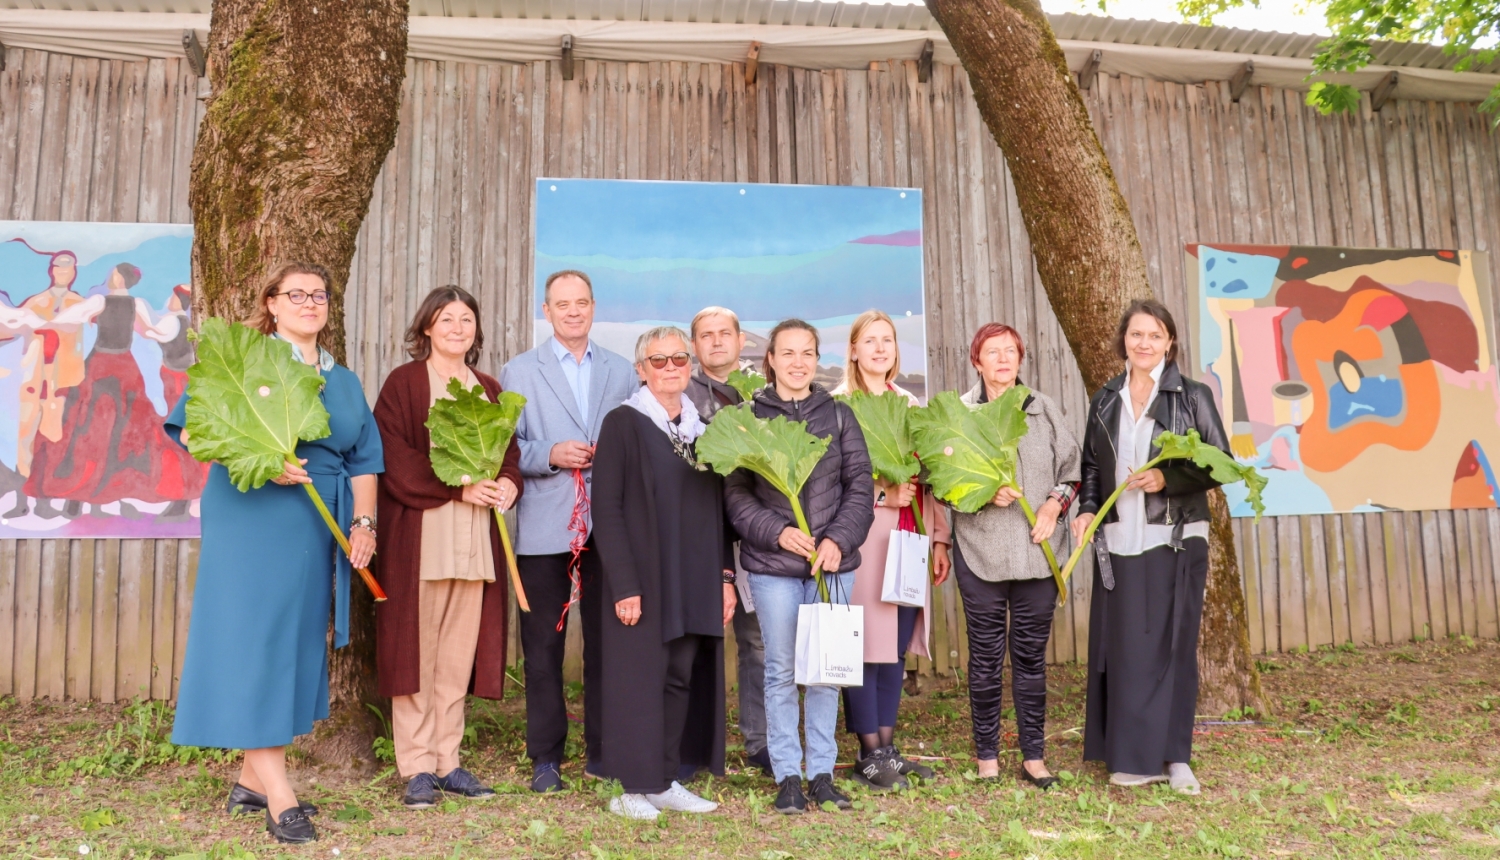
point(364, 521)
point(729, 577)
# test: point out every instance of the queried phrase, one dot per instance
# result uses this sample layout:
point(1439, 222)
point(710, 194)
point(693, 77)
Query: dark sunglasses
point(297, 297)
point(678, 359)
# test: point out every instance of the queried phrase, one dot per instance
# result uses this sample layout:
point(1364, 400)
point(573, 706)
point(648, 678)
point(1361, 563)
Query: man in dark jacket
point(717, 341)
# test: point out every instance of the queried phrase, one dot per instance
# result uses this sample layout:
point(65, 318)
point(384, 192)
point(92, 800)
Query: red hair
point(993, 329)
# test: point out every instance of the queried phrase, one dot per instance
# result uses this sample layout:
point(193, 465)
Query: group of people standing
point(617, 515)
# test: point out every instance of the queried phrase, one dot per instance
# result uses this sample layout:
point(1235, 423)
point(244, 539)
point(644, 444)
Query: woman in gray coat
point(1001, 571)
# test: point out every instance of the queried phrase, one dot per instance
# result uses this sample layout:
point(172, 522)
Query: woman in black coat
point(669, 574)
point(839, 502)
point(1153, 554)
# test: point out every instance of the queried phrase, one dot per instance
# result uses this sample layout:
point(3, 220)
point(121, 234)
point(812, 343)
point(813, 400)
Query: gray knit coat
point(996, 542)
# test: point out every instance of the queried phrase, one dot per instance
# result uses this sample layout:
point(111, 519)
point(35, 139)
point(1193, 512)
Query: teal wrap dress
point(255, 673)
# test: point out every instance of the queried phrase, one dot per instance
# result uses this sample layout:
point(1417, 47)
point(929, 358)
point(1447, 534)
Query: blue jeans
point(776, 602)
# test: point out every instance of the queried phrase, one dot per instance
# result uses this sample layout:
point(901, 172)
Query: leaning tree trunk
point(1088, 256)
point(303, 112)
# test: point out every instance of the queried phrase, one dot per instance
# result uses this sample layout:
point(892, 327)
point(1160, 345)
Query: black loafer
point(545, 779)
point(461, 782)
point(292, 827)
point(243, 801)
point(1042, 782)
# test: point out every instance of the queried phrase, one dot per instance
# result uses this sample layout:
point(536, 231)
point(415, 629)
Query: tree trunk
point(304, 109)
point(1088, 256)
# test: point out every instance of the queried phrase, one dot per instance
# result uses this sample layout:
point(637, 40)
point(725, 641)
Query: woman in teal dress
point(255, 674)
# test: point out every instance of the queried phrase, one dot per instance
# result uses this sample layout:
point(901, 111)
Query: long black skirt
point(1143, 659)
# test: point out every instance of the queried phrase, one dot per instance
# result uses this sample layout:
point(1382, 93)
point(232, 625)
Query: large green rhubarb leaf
point(250, 403)
point(885, 419)
point(970, 453)
point(1224, 468)
point(779, 450)
point(746, 382)
point(470, 434)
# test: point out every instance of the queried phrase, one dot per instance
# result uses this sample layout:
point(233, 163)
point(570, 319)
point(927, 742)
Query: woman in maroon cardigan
point(441, 634)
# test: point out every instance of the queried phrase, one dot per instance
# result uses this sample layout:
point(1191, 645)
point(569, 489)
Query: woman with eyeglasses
point(669, 575)
point(255, 674)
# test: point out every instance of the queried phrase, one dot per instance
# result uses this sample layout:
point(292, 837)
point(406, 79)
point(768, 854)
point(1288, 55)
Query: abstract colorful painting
point(658, 252)
point(94, 352)
point(1356, 379)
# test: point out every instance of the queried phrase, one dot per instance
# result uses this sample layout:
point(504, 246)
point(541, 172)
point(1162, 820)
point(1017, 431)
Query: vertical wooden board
point(1432, 575)
point(1270, 585)
point(52, 622)
point(137, 578)
point(163, 618)
point(1449, 556)
point(1492, 529)
point(28, 605)
point(1484, 582)
point(1329, 546)
point(1409, 524)
point(78, 148)
point(187, 580)
point(1289, 576)
point(1361, 620)
point(102, 683)
point(1304, 150)
point(1244, 550)
point(10, 111)
point(1359, 555)
point(9, 575)
point(154, 203)
point(130, 142)
point(1315, 567)
point(1397, 579)
point(28, 139)
point(47, 204)
point(940, 627)
point(1380, 608)
point(1463, 558)
point(185, 135)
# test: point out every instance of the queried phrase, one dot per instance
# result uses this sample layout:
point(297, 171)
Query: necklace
point(684, 448)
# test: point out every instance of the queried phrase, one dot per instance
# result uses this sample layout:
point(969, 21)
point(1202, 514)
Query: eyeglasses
point(297, 297)
point(678, 359)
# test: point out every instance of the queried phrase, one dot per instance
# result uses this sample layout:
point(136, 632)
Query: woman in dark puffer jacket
point(838, 499)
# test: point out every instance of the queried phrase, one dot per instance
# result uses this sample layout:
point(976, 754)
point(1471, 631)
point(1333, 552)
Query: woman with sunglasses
point(669, 576)
point(255, 674)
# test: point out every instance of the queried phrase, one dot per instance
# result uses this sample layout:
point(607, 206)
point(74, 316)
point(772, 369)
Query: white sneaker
point(1136, 779)
point(634, 806)
point(1182, 778)
point(679, 799)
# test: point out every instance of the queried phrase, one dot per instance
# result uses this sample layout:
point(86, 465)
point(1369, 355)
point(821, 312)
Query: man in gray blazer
point(570, 383)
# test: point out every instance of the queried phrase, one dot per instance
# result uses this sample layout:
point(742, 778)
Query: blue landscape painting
point(661, 251)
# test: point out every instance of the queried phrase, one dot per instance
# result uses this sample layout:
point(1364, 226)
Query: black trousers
point(682, 653)
point(1023, 609)
point(545, 578)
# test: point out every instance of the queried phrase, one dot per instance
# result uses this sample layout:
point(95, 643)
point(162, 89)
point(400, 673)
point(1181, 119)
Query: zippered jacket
point(1181, 405)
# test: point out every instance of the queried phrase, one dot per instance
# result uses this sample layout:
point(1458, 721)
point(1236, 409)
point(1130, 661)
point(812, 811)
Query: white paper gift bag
point(830, 645)
point(905, 581)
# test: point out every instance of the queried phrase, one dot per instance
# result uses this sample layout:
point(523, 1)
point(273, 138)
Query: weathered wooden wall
point(103, 140)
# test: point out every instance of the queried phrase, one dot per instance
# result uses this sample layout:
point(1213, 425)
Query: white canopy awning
point(138, 35)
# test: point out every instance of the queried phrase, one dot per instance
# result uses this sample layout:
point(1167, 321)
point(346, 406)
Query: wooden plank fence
point(88, 139)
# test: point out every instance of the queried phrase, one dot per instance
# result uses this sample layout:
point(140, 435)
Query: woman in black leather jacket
point(1153, 558)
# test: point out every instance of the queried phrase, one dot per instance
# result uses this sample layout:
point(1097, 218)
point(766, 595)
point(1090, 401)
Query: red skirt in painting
point(112, 445)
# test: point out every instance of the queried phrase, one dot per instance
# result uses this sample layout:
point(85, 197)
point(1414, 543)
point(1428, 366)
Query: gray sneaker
point(880, 770)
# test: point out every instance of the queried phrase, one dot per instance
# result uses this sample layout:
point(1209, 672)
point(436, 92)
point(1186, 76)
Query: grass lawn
point(1389, 752)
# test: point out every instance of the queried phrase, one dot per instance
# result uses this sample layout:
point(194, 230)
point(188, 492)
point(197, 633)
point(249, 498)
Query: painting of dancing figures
point(94, 352)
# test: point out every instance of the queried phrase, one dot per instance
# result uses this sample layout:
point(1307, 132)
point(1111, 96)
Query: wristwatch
point(880, 499)
point(729, 577)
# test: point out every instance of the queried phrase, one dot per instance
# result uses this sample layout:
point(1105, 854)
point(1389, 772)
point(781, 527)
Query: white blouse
point(1131, 534)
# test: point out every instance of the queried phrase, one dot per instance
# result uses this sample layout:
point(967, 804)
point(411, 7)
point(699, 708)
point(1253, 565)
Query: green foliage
point(251, 403)
point(970, 453)
point(779, 450)
point(1467, 29)
point(142, 739)
point(98, 819)
point(1223, 467)
point(885, 419)
point(470, 434)
point(746, 382)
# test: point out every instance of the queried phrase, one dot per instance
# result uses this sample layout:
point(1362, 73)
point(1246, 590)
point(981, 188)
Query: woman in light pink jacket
point(874, 361)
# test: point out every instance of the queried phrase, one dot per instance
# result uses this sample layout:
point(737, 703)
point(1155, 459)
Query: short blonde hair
point(713, 311)
point(852, 379)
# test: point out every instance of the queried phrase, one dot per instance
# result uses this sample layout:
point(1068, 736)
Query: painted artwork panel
point(93, 354)
point(658, 252)
point(1357, 380)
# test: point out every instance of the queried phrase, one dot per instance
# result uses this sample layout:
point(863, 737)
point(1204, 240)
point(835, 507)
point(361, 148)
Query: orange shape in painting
point(1471, 487)
point(1327, 450)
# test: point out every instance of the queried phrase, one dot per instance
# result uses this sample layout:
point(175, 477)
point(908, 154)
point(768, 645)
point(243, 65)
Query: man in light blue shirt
point(569, 383)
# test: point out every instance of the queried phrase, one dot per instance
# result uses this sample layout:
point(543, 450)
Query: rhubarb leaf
point(969, 452)
point(885, 419)
point(250, 402)
point(746, 382)
point(779, 450)
point(470, 434)
point(1223, 467)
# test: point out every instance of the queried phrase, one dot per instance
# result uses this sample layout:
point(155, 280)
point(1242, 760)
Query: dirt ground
point(1390, 752)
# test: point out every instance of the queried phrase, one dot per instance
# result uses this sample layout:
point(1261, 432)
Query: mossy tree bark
point(1088, 255)
point(304, 108)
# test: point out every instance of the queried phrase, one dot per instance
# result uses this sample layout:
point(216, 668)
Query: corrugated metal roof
point(814, 13)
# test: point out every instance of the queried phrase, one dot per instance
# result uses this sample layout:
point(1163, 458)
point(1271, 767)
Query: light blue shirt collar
point(563, 352)
point(578, 373)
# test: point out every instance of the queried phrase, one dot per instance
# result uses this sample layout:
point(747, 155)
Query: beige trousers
point(429, 726)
